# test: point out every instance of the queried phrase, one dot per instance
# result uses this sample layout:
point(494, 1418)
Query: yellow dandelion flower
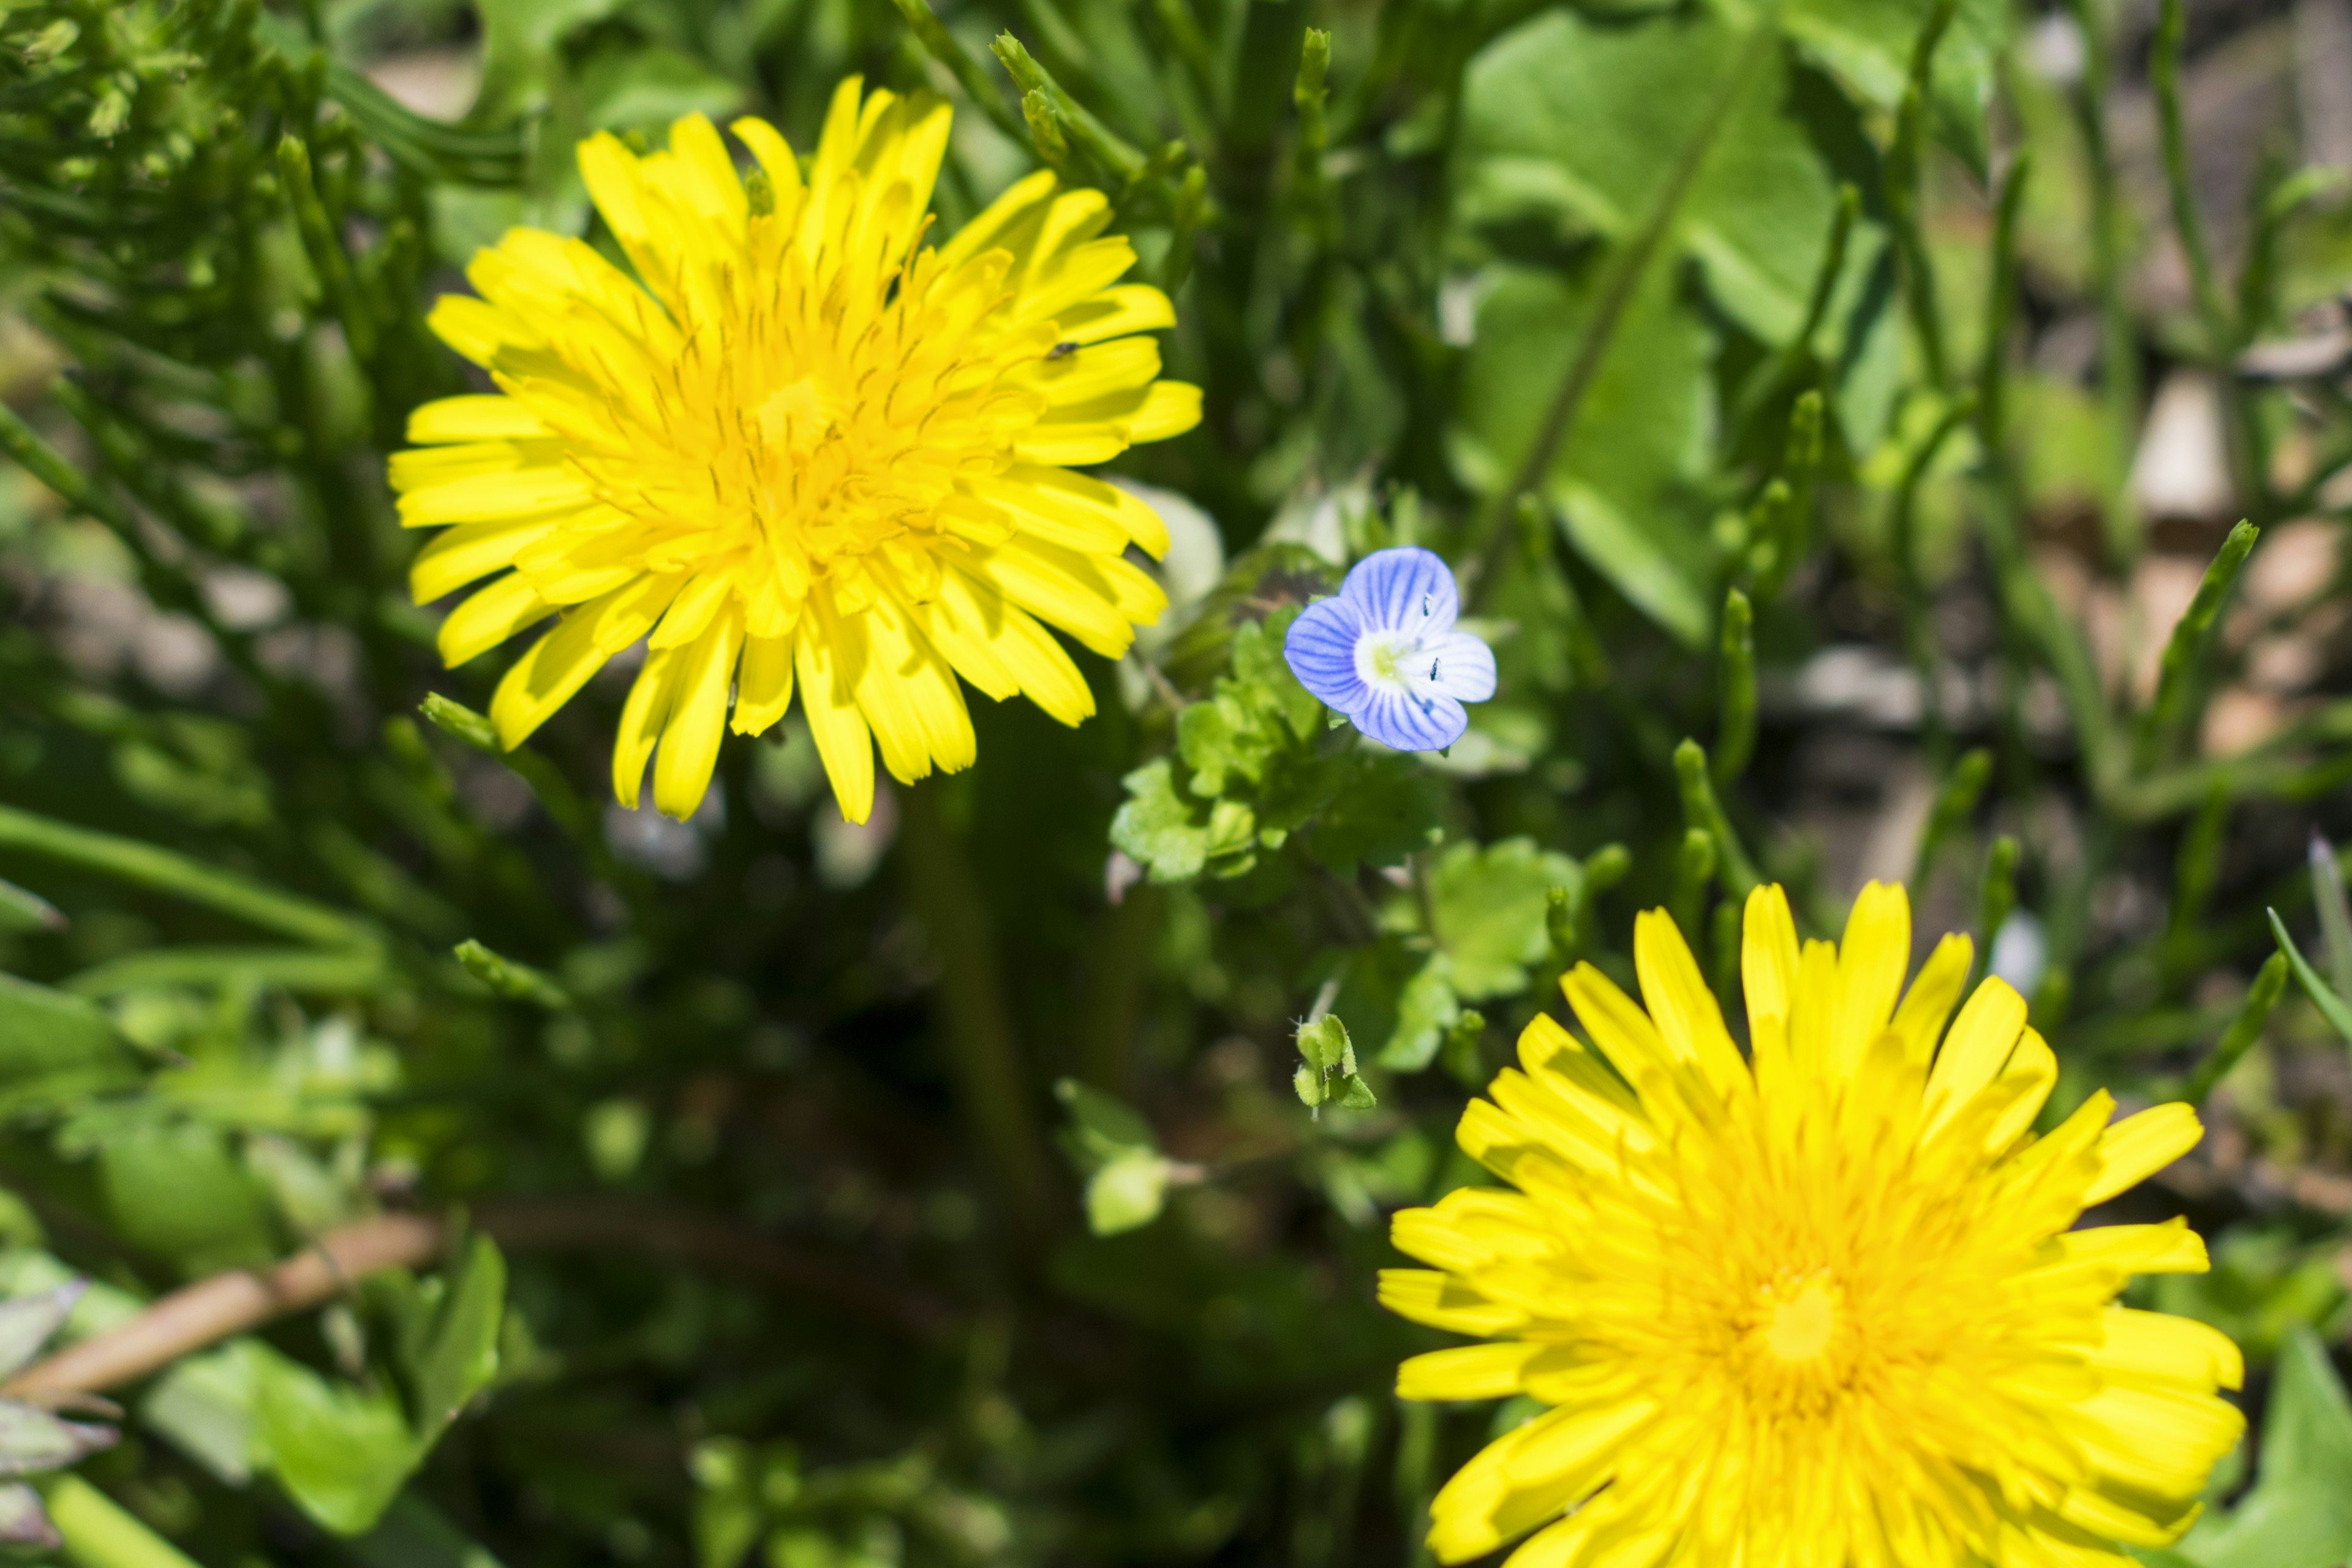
point(796, 448)
point(1818, 1305)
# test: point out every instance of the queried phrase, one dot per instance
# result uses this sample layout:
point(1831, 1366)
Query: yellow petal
point(1920, 1019)
point(1468, 1372)
point(1171, 408)
point(763, 688)
point(1872, 958)
point(488, 617)
point(2139, 1146)
point(469, 553)
point(1980, 1042)
point(642, 718)
point(698, 716)
point(828, 657)
point(474, 417)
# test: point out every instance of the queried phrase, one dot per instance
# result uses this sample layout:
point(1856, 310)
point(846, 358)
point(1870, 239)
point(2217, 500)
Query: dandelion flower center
point(1798, 1326)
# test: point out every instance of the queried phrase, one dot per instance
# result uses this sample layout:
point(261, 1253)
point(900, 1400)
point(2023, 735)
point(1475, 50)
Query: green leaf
point(1590, 118)
point(518, 48)
point(1427, 1009)
point(459, 1356)
point(1867, 44)
point(178, 1190)
point(1159, 830)
point(1324, 1045)
point(2331, 1006)
point(1490, 908)
point(341, 1453)
point(1384, 807)
point(1102, 1127)
point(59, 1044)
point(1638, 439)
point(2299, 1512)
point(1127, 1192)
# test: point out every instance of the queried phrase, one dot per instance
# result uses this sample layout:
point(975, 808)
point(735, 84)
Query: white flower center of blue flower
point(1393, 660)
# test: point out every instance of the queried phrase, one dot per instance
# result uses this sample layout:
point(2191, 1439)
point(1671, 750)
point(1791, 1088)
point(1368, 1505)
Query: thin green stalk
point(2185, 647)
point(1627, 269)
point(1693, 869)
point(2332, 1008)
point(1784, 369)
point(1904, 157)
point(2001, 307)
point(1703, 811)
point(1735, 734)
point(324, 248)
point(98, 1532)
point(970, 75)
point(2119, 381)
point(1118, 158)
point(977, 1023)
point(161, 870)
point(1996, 897)
point(1954, 803)
point(2243, 1030)
point(2164, 79)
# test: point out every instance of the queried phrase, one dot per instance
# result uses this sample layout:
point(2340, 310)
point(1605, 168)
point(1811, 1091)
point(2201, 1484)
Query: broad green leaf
point(1594, 116)
point(1642, 562)
point(518, 48)
point(1159, 830)
point(1488, 906)
point(1868, 46)
point(1638, 441)
point(459, 1356)
point(341, 1453)
point(178, 1190)
point(2299, 1512)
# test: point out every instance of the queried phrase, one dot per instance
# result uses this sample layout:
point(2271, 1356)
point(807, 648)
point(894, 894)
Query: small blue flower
point(1384, 652)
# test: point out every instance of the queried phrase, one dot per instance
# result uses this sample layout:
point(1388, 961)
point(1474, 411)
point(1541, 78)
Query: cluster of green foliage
point(1003, 1182)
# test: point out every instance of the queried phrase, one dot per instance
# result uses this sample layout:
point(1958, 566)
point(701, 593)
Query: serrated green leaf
point(1491, 908)
point(1158, 828)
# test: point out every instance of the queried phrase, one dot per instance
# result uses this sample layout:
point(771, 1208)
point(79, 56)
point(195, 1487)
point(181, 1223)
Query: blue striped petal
point(1321, 649)
point(1411, 723)
point(1457, 665)
point(1406, 589)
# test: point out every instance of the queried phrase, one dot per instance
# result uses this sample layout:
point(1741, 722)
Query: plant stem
point(213, 1309)
point(166, 872)
point(2163, 79)
point(978, 1027)
point(98, 1532)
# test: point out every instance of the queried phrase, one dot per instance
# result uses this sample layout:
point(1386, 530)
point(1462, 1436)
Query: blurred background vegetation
point(1838, 412)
